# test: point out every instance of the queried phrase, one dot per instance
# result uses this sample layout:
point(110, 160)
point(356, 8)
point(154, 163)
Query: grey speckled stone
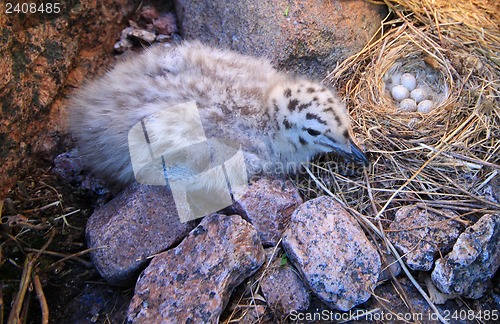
point(422, 235)
point(469, 267)
point(306, 37)
point(326, 244)
point(193, 282)
point(139, 222)
point(269, 204)
point(68, 165)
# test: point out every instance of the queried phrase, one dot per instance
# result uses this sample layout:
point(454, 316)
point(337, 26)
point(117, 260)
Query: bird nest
point(446, 158)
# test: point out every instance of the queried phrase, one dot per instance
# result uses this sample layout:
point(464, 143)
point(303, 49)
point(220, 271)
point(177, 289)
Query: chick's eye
point(313, 132)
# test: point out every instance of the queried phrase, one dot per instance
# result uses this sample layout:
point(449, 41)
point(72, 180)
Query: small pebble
point(123, 45)
point(165, 24)
point(399, 93)
point(408, 105)
point(425, 106)
point(142, 35)
point(409, 81)
point(149, 13)
point(418, 95)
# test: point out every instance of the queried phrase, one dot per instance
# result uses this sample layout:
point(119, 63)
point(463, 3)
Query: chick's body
point(242, 99)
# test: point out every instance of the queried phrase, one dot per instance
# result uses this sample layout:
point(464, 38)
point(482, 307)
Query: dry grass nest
point(447, 158)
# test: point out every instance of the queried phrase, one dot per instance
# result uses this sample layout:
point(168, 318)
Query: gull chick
point(277, 120)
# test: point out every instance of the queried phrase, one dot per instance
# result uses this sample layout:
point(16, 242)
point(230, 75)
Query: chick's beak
point(351, 151)
point(357, 155)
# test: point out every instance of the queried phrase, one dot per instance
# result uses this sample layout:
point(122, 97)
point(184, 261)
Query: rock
point(436, 296)
point(390, 267)
point(123, 45)
point(97, 186)
point(283, 289)
point(268, 204)
point(421, 235)
point(306, 37)
point(193, 282)
point(138, 223)
point(469, 267)
point(149, 13)
point(491, 192)
point(146, 27)
point(328, 247)
point(165, 24)
point(44, 56)
point(163, 38)
point(46, 146)
point(142, 35)
point(95, 304)
point(68, 165)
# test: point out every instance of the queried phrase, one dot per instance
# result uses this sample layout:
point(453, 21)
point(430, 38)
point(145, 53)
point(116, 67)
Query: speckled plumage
point(275, 118)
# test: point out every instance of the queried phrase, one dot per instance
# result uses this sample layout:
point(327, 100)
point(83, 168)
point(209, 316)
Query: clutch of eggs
point(410, 95)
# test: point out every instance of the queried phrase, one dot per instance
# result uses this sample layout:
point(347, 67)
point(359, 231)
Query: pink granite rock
point(305, 37)
point(138, 223)
point(43, 57)
point(329, 248)
point(468, 269)
point(422, 235)
point(193, 282)
point(165, 24)
point(283, 289)
point(268, 204)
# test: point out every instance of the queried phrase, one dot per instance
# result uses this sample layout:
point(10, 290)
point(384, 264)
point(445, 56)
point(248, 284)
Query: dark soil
point(32, 217)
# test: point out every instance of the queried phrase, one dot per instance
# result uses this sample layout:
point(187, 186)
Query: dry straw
point(448, 157)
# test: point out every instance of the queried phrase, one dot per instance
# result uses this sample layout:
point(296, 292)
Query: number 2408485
point(31, 8)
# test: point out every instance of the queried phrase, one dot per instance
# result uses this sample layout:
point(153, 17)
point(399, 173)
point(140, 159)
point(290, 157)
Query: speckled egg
point(408, 105)
point(425, 106)
point(409, 81)
point(418, 95)
point(399, 93)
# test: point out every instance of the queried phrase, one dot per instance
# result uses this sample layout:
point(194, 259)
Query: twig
point(465, 192)
point(41, 298)
point(66, 215)
point(29, 264)
point(52, 204)
point(463, 157)
point(71, 256)
point(14, 316)
point(62, 255)
point(403, 294)
point(437, 211)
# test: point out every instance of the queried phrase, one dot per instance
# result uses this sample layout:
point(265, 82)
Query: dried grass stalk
point(475, 22)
